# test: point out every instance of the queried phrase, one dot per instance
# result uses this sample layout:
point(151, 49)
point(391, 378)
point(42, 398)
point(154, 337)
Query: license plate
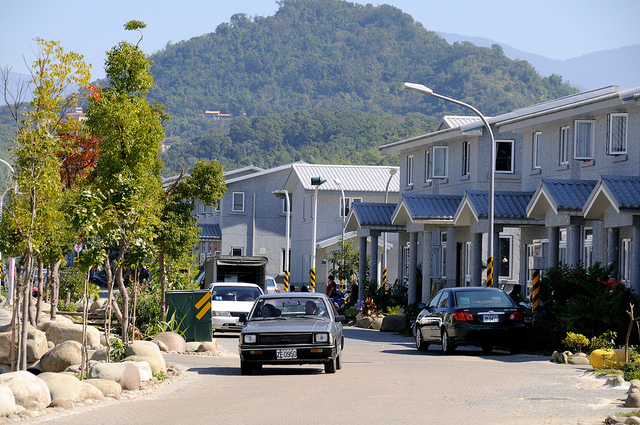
point(490, 318)
point(288, 353)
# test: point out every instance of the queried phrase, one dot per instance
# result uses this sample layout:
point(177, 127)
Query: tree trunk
point(125, 303)
point(27, 285)
point(163, 285)
point(107, 328)
point(54, 273)
point(40, 291)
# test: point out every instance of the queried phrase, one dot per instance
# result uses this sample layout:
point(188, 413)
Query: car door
point(437, 312)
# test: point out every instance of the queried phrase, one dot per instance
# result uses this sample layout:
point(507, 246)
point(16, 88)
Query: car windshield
point(483, 299)
point(235, 293)
point(289, 308)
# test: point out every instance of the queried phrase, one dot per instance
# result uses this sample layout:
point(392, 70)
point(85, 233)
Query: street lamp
point(427, 91)
point(392, 172)
point(343, 211)
point(284, 194)
point(315, 181)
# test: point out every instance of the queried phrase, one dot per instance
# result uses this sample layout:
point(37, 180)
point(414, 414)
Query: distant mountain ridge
point(593, 70)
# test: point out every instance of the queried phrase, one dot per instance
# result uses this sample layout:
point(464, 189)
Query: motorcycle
point(337, 299)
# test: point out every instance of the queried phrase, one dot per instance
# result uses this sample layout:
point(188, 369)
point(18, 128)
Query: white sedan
point(228, 301)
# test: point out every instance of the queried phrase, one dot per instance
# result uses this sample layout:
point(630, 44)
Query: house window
point(583, 140)
point(504, 156)
point(562, 247)
point(443, 254)
point(466, 264)
point(436, 262)
point(427, 166)
point(236, 250)
point(284, 204)
point(564, 145)
point(440, 161)
point(625, 260)
point(587, 247)
point(284, 269)
point(537, 150)
point(504, 255)
point(410, 170)
point(344, 209)
point(466, 158)
point(238, 202)
point(617, 135)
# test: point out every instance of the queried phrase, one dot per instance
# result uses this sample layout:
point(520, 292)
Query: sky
point(556, 29)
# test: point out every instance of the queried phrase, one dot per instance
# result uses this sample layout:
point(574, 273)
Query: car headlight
point(249, 339)
point(221, 313)
point(322, 337)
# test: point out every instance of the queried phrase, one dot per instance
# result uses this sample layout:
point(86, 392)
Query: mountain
point(586, 72)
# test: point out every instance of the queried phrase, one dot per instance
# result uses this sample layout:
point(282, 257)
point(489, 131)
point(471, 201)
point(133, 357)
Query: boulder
point(173, 341)
point(36, 344)
point(63, 386)
point(146, 351)
point(192, 346)
point(62, 356)
point(44, 323)
point(7, 401)
point(105, 386)
point(90, 391)
point(377, 323)
point(393, 323)
point(579, 360)
point(144, 369)
point(29, 391)
point(208, 346)
point(101, 304)
point(632, 420)
point(157, 364)
point(60, 332)
point(99, 354)
point(364, 322)
point(633, 399)
point(601, 358)
point(125, 374)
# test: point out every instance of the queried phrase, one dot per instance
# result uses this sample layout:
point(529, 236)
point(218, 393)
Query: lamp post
point(315, 181)
point(12, 262)
point(284, 194)
point(392, 172)
point(343, 211)
point(427, 91)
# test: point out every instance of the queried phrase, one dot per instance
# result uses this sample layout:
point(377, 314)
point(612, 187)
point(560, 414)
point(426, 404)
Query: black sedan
point(483, 317)
point(291, 328)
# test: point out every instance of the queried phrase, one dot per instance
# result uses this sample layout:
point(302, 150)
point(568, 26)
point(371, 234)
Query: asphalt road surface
point(384, 380)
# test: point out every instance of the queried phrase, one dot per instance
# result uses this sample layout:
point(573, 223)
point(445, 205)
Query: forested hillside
point(321, 81)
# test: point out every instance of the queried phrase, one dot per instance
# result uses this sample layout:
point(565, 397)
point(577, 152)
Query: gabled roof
point(455, 121)
point(354, 178)
point(371, 215)
point(250, 169)
point(427, 208)
point(257, 173)
point(562, 196)
point(508, 206)
point(210, 231)
point(620, 192)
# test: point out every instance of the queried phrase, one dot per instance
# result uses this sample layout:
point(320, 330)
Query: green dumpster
point(192, 310)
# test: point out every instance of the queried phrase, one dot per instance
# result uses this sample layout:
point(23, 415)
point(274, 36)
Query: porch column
point(362, 268)
point(573, 245)
point(413, 268)
point(635, 258)
point(613, 248)
point(553, 233)
point(373, 263)
point(427, 240)
point(476, 260)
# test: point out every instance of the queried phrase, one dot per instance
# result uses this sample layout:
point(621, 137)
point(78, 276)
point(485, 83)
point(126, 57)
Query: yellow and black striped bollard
point(489, 272)
point(535, 298)
point(312, 280)
point(286, 281)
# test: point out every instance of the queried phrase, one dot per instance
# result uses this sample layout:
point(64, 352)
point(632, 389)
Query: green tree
point(34, 210)
point(178, 231)
point(126, 184)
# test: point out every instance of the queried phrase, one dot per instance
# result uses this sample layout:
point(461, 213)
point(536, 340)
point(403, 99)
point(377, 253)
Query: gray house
point(567, 191)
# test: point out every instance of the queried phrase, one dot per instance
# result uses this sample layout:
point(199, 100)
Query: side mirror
point(340, 318)
point(422, 306)
point(242, 318)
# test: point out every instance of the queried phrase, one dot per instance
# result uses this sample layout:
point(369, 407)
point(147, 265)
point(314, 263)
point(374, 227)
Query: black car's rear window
point(483, 299)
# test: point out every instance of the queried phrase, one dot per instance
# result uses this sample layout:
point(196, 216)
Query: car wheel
point(515, 349)
point(487, 348)
point(246, 368)
point(447, 345)
point(339, 361)
point(330, 366)
point(420, 344)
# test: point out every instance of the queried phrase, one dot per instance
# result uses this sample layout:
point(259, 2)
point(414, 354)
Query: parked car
point(478, 316)
point(228, 301)
point(291, 328)
point(272, 285)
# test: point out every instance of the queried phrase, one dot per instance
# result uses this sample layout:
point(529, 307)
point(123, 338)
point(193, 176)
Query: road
point(384, 380)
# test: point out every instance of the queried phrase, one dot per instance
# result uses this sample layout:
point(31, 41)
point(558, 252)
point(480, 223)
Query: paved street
point(384, 380)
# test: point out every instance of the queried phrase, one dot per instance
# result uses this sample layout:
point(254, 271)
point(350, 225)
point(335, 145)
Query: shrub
point(604, 341)
point(575, 342)
point(631, 371)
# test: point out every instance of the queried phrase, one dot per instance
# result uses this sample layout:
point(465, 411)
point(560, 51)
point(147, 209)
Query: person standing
point(331, 286)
